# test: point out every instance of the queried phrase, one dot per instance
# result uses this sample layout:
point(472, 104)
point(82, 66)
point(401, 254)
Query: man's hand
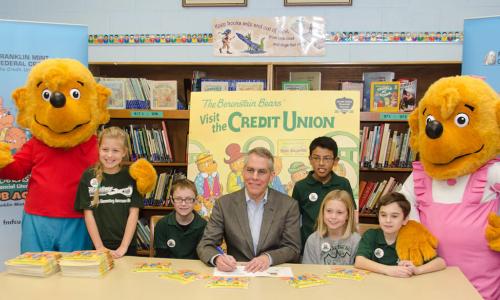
point(225, 263)
point(258, 264)
point(415, 243)
point(493, 232)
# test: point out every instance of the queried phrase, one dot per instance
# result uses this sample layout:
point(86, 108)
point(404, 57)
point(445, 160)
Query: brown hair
point(109, 132)
point(184, 183)
point(345, 198)
point(262, 152)
point(395, 197)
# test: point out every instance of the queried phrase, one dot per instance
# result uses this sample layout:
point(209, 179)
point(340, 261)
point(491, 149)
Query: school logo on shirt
point(171, 243)
point(325, 247)
point(94, 183)
point(379, 253)
point(313, 197)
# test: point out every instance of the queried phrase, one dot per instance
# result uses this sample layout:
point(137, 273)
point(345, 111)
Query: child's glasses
point(187, 200)
point(326, 159)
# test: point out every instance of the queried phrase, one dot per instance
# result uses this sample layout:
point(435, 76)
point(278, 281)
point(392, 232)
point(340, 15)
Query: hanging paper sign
point(278, 36)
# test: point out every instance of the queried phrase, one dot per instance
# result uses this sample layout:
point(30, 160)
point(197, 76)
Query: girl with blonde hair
point(335, 240)
point(108, 196)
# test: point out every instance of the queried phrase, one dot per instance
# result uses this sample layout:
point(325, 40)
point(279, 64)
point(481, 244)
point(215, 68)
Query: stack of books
point(91, 263)
point(40, 264)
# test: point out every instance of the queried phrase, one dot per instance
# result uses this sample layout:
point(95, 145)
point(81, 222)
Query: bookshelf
point(397, 122)
point(177, 125)
point(426, 72)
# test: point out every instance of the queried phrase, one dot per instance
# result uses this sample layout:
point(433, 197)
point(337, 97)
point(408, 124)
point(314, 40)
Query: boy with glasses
point(310, 191)
point(177, 234)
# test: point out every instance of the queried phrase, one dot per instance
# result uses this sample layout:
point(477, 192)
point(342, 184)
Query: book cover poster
point(224, 126)
point(117, 87)
point(408, 94)
point(368, 78)
point(25, 44)
point(481, 50)
point(384, 96)
point(313, 77)
point(163, 94)
point(272, 36)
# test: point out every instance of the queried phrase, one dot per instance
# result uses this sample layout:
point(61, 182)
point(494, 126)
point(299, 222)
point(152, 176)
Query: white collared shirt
point(255, 211)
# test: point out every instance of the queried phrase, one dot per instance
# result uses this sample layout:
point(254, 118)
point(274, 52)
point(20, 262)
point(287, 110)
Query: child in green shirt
point(377, 248)
point(177, 234)
point(310, 191)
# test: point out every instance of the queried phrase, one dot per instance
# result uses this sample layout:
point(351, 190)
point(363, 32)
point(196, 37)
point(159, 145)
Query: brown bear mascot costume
point(62, 106)
point(454, 188)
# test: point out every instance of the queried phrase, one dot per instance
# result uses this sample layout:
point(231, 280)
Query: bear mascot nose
point(433, 129)
point(57, 100)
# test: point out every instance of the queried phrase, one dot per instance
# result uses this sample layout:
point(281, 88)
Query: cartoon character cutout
point(298, 171)
point(226, 41)
point(207, 183)
point(9, 134)
point(490, 58)
point(236, 162)
point(276, 182)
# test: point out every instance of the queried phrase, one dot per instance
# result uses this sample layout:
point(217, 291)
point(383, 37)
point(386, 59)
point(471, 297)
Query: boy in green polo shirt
point(377, 248)
point(177, 234)
point(310, 191)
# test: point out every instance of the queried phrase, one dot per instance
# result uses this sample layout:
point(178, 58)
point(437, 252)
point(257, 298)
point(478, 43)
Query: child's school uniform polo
point(175, 241)
point(374, 247)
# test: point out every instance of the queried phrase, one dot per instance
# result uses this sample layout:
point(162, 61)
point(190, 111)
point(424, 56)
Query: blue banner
point(481, 50)
point(23, 45)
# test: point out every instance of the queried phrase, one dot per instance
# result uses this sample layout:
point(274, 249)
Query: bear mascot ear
point(103, 94)
point(413, 122)
point(24, 118)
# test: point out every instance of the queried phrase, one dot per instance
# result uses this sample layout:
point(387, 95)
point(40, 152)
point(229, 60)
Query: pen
point(219, 249)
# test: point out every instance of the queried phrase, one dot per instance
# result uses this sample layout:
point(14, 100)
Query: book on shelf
point(211, 85)
point(163, 94)
point(249, 85)
point(141, 93)
point(143, 234)
point(196, 80)
point(150, 143)
point(353, 86)
point(382, 147)
point(214, 85)
point(365, 193)
point(161, 194)
point(373, 191)
point(408, 94)
point(313, 77)
point(118, 93)
point(368, 78)
point(384, 96)
point(296, 85)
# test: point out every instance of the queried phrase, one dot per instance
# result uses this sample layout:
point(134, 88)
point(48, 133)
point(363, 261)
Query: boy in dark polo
point(310, 191)
point(377, 248)
point(177, 234)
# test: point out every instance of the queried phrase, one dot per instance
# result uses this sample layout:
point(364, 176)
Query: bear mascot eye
point(462, 120)
point(75, 94)
point(46, 94)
